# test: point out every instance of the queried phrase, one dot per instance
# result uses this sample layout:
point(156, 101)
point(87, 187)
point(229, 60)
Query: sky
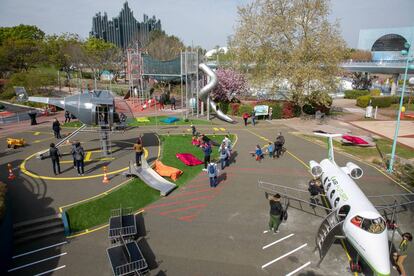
point(197, 22)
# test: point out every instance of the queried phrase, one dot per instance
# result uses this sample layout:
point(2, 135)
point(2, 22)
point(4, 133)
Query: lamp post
point(405, 52)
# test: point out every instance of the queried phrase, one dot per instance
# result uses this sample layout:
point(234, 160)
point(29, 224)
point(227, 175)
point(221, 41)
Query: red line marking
point(183, 209)
point(188, 218)
point(195, 192)
point(179, 202)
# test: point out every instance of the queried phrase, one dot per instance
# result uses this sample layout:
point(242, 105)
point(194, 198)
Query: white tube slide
point(204, 92)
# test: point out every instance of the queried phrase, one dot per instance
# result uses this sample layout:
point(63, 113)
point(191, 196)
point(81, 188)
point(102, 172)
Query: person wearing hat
point(275, 212)
point(402, 253)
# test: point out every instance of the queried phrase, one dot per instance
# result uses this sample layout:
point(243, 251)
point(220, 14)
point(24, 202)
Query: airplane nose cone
point(378, 255)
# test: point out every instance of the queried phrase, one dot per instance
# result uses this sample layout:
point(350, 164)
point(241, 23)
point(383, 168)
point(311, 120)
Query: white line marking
point(265, 231)
point(281, 257)
point(297, 269)
point(37, 250)
point(273, 243)
point(26, 265)
point(46, 272)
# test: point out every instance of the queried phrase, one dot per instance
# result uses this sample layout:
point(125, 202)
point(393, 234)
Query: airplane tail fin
point(329, 137)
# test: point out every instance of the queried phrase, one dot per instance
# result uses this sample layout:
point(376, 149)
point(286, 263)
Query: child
point(258, 153)
point(212, 171)
point(271, 150)
point(195, 142)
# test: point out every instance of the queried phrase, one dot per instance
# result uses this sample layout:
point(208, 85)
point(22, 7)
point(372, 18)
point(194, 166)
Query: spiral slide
point(204, 92)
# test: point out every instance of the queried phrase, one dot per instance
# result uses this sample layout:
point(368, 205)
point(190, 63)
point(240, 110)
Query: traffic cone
point(105, 178)
point(11, 174)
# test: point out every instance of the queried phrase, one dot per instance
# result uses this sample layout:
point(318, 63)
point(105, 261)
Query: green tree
point(21, 32)
point(164, 47)
point(289, 40)
point(99, 55)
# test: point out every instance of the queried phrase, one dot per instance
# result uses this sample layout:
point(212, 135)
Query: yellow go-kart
point(15, 143)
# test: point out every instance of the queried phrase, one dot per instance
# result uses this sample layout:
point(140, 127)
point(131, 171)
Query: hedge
point(375, 92)
point(245, 108)
point(382, 101)
point(354, 94)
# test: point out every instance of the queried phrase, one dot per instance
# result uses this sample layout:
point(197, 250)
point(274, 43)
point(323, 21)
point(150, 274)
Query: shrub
point(308, 109)
point(363, 101)
point(382, 101)
point(354, 94)
point(277, 111)
point(234, 108)
point(224, 106)
point(287, 111)
point(297, 111)
point(375, 92)
point(319, 100)
point(245, 108)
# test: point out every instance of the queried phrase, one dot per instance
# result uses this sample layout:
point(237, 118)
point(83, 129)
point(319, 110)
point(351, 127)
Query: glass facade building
point(385, 44)
point(124, 30)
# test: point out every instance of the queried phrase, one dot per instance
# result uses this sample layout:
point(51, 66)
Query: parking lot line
point(37, 250)
point(40, 261)
point(279, 240)
point(298, 269)
point(51, 270)
point(283, 256)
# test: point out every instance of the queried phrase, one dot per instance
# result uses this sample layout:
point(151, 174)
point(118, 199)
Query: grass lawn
point(135, 193)
point(368, 153)
point(153, 120)
point(76, 124)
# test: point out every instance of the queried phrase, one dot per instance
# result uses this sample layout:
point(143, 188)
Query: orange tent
point(168, 171)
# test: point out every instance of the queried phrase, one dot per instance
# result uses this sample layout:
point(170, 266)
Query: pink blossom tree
point(231, 85)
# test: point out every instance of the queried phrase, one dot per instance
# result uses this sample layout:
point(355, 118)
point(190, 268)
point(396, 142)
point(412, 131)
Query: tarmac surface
point(196, 230)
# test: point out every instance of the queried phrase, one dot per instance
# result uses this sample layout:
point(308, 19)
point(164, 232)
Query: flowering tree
point(231, 84)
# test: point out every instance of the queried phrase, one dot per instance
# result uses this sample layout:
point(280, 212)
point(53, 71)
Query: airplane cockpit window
point(375, 226)
point(336, 202)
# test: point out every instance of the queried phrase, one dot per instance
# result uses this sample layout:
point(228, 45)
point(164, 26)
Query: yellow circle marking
point(33, 175)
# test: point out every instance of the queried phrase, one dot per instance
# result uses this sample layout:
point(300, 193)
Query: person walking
point(275, 213)
point(227, 143)
point(402, 253)
point(56, 128)
point(270, 113)
point(212, 172)
point(271, 150)
point(80, 157)
point(253, 118)
point(245, 118)
point(224, 156)
point(314, 189)
point(139, 149)
point(207, 153)
point(54, 156)
point(67, 117)
point(279, 143)
point(172, 102)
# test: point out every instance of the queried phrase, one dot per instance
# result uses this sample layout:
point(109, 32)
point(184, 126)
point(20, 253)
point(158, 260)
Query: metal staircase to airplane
point(329, 230)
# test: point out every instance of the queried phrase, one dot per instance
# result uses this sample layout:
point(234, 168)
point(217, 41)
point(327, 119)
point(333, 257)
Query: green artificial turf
point(154, 120)
point(76, 124)
point(135, 193)
point(367, 153)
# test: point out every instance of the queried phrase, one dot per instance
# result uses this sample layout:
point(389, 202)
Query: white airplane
point(352, 215)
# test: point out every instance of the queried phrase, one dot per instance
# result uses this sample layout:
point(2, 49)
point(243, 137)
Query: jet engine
point(353, 170)
point(316, 169)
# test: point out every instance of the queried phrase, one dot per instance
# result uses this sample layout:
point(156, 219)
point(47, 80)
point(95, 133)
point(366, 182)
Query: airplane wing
point(298, 199)
point(393, 202)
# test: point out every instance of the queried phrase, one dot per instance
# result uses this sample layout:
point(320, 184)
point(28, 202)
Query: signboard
point(260, 110)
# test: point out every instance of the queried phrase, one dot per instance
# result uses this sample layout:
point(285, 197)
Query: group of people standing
point(274, 150)
point(211, 167)
point(78, 155)
point(252, 116)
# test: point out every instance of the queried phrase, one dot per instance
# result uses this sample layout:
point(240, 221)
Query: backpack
point(211, 169)
point(284, 215)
